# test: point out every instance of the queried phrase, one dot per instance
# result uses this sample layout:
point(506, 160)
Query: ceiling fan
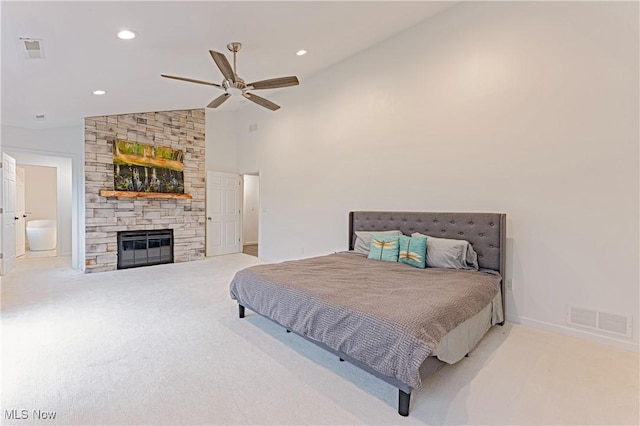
point(234, 85)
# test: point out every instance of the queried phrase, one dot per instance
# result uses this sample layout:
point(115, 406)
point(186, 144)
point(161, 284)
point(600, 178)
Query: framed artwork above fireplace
point(145, 168)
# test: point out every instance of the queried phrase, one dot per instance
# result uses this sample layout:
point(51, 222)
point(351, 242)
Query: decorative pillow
point(449, 253)
point(413, 251)
point(384, 247)
point(363, 240)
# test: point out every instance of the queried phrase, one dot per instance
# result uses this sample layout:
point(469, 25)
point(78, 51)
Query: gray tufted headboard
point(485, 231)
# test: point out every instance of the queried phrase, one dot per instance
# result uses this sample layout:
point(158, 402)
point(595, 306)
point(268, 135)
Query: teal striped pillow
point(413, 251)
point(384, 247)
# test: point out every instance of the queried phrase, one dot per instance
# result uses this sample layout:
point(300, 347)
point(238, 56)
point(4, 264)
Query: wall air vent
point(599, 321)
point(33, 48)
point(614, 323)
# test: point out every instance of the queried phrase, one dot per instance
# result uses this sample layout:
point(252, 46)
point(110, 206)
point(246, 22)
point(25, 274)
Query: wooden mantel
point(130, 194)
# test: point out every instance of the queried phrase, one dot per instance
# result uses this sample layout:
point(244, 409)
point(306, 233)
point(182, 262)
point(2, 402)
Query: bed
point(387, 317)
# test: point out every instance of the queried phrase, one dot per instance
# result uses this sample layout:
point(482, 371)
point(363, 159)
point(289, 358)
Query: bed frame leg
point(403, 402)
point(241, 311)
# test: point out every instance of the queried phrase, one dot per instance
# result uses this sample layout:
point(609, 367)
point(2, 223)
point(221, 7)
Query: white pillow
point(363, 240)
point(449, 253)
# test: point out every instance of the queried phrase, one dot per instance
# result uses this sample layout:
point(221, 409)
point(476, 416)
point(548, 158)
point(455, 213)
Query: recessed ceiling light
point(126, 35)
point(301, 52)
point(99, 92)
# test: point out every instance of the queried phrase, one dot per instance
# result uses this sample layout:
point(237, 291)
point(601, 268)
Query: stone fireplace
point(106, 216)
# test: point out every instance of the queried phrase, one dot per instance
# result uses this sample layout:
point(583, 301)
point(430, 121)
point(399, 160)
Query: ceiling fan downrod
point(235, 48)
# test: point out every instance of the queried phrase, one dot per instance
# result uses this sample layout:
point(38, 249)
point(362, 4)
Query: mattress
point(386, 315)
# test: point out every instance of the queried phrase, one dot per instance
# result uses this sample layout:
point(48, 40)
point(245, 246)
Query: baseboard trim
point(249, 243)
point(581, 334)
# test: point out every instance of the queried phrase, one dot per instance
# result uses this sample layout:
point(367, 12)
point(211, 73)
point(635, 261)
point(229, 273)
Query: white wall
point(41, 192)
point(62, 148)
point(251, 209)
point(527, 108)
point(221, 153)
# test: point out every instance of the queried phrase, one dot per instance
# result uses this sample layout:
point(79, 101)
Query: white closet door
point(223, 213)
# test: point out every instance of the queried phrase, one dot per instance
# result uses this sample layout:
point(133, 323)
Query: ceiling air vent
point(599, 321)
point(33, 48)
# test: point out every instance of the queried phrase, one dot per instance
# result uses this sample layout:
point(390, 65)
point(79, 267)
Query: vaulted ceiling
point(83, 54)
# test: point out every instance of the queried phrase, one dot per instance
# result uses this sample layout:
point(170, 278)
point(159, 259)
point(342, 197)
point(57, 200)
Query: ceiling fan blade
point(275, 83)
point(191, 80)
point(261, 101)
point(219, 100)
point(223, 64)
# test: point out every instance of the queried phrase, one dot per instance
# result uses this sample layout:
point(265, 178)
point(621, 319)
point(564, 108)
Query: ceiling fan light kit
point(235, 86)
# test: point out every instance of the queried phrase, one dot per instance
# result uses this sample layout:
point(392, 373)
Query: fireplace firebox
point(143, 248)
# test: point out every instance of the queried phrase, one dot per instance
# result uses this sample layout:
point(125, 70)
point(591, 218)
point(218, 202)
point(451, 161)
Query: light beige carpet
point(163, 345)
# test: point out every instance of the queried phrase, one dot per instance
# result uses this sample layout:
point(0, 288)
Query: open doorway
point(48, 203)
point(251, 214)
point(40, 195)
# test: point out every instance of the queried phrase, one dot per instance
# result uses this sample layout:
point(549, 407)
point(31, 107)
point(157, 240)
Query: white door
point(223, 213)
point(8, 213)
point(20, 214)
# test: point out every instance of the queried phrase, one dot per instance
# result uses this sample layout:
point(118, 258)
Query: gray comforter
point(389, 316)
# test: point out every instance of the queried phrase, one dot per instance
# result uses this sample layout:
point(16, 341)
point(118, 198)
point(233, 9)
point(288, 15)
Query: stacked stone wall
point(106, 216)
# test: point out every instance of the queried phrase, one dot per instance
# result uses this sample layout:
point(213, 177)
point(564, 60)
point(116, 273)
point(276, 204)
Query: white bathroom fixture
point(41, 234)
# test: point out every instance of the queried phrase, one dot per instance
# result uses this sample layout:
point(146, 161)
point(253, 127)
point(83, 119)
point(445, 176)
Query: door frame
point(256, 174)
point(41, 158)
